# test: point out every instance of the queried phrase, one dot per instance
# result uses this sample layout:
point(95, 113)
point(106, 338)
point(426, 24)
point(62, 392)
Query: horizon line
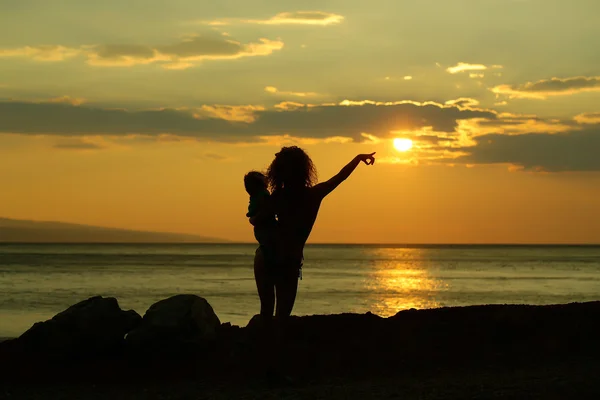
point(228, 242)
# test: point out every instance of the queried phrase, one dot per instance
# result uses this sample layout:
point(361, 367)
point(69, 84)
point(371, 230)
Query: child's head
point(254, 182)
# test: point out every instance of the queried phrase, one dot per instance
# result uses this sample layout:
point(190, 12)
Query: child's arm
point(252, 207)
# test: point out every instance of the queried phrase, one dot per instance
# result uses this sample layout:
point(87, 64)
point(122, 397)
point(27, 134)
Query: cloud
point(288, 140)
point(229, 113)
point(349, 119)
point(273, 90)
point(524, 142)
point(427, 141)
point(517, 124)
point(568, 151)
point(453, 133)
point(588, 118)
point(286, 18)
point(405, 78)
point(370, 138)
point(421, 153)
point(78, 144)
point(463, 67)
point(353, 118)
point(67, 99)
point(396, 160)
point(213, 157)
point(42, 53)
point(183, 54)
point(425, 138)
point(549, 87)
point(488, 141)
point(463, 102)
point(180, 55)
point(289, 105)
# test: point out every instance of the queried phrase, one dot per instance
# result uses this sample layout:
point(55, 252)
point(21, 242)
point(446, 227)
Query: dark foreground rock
point(93, 327)
point(549, 352)
point(175, 325)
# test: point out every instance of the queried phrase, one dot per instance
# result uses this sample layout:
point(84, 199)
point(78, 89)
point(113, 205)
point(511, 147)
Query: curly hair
point(292, 168)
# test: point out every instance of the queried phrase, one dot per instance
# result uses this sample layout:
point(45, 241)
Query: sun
point(403, 144)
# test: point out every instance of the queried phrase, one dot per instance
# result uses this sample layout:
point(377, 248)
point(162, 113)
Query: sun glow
point(402, 282)
point(401, 144)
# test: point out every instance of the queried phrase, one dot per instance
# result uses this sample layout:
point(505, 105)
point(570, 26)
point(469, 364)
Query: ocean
point(39, 280)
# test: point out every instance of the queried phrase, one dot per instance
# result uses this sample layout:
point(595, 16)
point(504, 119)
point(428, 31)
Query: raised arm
point(324, 188)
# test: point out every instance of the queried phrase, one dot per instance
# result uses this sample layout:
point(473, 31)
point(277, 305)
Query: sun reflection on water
point(400, 280)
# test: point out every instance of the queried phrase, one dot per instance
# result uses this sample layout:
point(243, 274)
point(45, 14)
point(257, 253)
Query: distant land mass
point(25, 231)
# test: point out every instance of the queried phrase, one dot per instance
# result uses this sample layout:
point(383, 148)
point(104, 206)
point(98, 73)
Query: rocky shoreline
point(180, 348)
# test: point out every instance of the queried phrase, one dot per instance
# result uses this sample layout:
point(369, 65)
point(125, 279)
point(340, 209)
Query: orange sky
point(167, 187)
point(150, 120)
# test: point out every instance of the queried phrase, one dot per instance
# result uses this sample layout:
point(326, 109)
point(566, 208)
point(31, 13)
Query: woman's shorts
point(279, 266)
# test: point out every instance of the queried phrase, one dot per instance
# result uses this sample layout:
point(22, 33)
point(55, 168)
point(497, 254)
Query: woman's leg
point(286, 287)
point(264, 284)
point(267, 356)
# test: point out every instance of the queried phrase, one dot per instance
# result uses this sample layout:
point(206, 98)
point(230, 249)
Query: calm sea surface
point(38, 281)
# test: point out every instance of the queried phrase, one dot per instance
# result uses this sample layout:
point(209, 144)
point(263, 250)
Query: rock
point(260, 329)
point(92, 327)
point(226, 326)
point(178, 323)
point(256, 322)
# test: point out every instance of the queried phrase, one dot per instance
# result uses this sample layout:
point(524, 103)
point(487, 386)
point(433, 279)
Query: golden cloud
point(349, 119)
point(290, 105)
point(67, 99)
point(275, 91)
point(229, 113)
point(514, 124)
point(475, 75)
point(463, 102)
point(216, 157)
point(464, 67)
point(537, 152)
point(289, 140)
point(180, 55)
point(549, 87)
point(42, 53)
point(183, 54)
point(87, 143)
point(285, 18)
point(447, 134)
point(588, 118)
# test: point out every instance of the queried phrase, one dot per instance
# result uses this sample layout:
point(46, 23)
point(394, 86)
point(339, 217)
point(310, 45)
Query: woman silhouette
point(295, 200)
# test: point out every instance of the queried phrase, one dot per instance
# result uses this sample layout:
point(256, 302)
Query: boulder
point(179, 323)
point(91, 327)
point(256, 323)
